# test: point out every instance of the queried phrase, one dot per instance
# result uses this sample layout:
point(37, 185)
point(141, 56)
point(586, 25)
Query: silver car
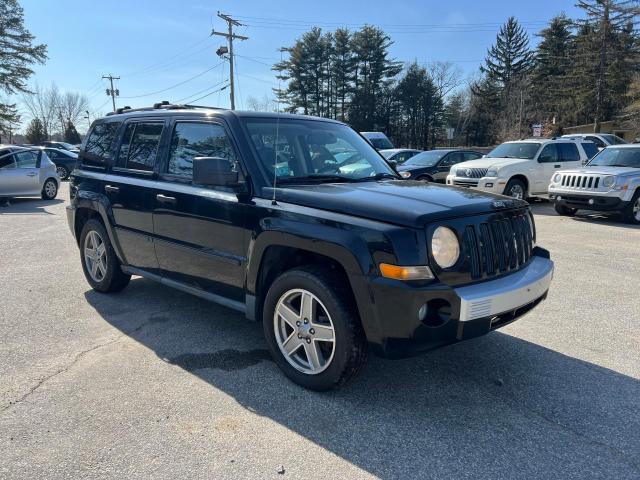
point(26, 172)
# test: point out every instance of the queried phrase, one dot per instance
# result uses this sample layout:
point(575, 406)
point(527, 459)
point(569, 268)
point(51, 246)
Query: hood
point(486, 162)
point(401, 202)
point(619, 171)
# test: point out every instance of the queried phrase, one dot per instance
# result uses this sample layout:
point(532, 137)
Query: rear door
point(200, 231)
point(24, 178)
point(130, 189)
point(9, 176)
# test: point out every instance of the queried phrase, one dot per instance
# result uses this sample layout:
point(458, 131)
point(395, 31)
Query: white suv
point(609, 182)
point(519, 169)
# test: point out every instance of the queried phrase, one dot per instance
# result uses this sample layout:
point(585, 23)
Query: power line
point(166, 59)
point(201, 91)
point(211, 93)
point(176, 85)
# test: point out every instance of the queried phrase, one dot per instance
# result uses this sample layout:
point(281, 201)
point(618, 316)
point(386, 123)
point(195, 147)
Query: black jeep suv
point(299, 223)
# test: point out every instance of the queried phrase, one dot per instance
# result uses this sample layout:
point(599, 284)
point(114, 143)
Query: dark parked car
point(333, 256)
point(65, 161)
point(60, 145)
point(399, 155)
point(434, 165)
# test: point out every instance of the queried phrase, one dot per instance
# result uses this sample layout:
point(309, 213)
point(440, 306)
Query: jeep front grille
point(471, 172)
point(574, 181)
point(498, 246)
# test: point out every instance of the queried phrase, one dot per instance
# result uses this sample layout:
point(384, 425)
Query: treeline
point(581, 71)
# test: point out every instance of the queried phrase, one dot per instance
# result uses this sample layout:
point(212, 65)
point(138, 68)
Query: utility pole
point(230, 36)
point(111, 91)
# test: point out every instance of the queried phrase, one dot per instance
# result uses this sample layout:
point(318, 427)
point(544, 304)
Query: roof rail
point(164, 105)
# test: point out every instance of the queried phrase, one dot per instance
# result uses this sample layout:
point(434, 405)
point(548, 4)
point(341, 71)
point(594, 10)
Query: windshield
point(380, 143)
point(525, 150)
point(310, 150)
point(426, 159)
point(613, 139)
point(617, 157)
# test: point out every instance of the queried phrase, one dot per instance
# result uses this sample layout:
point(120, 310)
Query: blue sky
point(153, 45)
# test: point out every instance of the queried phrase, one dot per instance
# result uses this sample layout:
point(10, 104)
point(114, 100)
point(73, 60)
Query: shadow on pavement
point(494, 407)
point(612, 219)
point(29, 206)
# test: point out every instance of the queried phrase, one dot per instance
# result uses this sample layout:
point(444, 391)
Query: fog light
point(488, 185)
point(558, 198)
point(591, 201)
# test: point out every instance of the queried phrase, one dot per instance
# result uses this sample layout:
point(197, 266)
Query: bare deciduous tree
point(55, 110)
point(446, 76)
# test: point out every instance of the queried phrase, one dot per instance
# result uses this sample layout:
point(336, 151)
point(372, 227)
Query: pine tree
point(605, 20)
point(71, 135)
point(551, 75)
point(17, 55)
point(509, 59)
point(35, 133)
point(342, 71)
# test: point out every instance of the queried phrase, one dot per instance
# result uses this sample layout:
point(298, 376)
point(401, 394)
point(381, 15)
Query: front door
point(445, 165)
point(548, 162)
point(199, 231)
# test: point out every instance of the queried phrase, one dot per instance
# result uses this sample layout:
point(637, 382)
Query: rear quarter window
point(97, 150)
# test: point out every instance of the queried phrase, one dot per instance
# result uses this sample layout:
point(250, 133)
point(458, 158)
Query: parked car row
point(27, 171)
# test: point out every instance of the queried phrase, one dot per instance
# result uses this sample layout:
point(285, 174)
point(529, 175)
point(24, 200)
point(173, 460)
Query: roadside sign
point(537, 129)
point(450, 132)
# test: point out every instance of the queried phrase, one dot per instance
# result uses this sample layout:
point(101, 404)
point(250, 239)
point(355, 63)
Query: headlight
point(492, 172)
point(445, 247)
point(405, 174)
point(609, 181)
point(556, 178)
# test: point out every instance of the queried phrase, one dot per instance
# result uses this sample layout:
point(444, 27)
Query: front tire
point(516, 189)
point(62, 171)
point(312, 329)
point(632, 212)
point(564, 210)
point(99, 261)
point(49, 189)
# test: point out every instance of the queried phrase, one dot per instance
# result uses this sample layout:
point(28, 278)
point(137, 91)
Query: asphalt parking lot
point(153, 383)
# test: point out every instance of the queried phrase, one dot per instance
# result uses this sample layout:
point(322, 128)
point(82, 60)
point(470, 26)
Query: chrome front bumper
point(507, 293)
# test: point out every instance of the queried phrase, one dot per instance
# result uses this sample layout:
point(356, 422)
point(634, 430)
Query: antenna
point(275, 160)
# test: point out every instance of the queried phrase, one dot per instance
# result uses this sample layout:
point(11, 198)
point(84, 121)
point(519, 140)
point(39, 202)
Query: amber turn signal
point(420, 272)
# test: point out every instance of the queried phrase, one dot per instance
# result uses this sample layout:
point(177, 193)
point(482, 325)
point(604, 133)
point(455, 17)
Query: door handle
point(557, 166)
point(111, 188)
point(31, 174)
point(165, 199)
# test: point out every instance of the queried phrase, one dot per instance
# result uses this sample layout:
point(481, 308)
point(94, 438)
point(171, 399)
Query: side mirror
point(214, 171)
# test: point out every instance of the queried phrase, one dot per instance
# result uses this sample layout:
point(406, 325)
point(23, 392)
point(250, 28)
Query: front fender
point(340, 244)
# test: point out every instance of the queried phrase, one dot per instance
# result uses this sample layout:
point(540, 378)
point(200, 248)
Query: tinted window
point(97, 150)
point(590, 149)
point(452, 159)
point(191, 140)
point(599, 143)
point(426, 159)
point(26, 159)
point(471, 156)
point(549, 153)
point(140, 146)
point(569, 152)
point(380, 143)
point(6, 161)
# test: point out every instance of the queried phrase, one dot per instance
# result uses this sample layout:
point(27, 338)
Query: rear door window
point(471, 156)
point(590, 149)
point(7, 160)
point(139, 147)
point(190, 140)
point(97, 149)
point(569, 152)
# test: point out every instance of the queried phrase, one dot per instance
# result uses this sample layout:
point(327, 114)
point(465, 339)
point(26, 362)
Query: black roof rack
point(164, 105)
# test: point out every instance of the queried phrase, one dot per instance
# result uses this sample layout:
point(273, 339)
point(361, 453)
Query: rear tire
point(516, 189)
point(100, 264)
point(564, 210)
point(332, 314)
point(425, 178)
point(49, 189)
point(631, 214)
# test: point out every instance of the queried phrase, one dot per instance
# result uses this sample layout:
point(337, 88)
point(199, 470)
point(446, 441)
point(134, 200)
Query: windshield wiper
point(313, 179)
point(377, 176)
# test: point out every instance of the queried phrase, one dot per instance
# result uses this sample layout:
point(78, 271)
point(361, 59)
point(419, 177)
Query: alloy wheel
point(95, 256)
point(50, 189)
point(304, 331)
point(636, 210)
point(516, 191)
point(62, 172)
